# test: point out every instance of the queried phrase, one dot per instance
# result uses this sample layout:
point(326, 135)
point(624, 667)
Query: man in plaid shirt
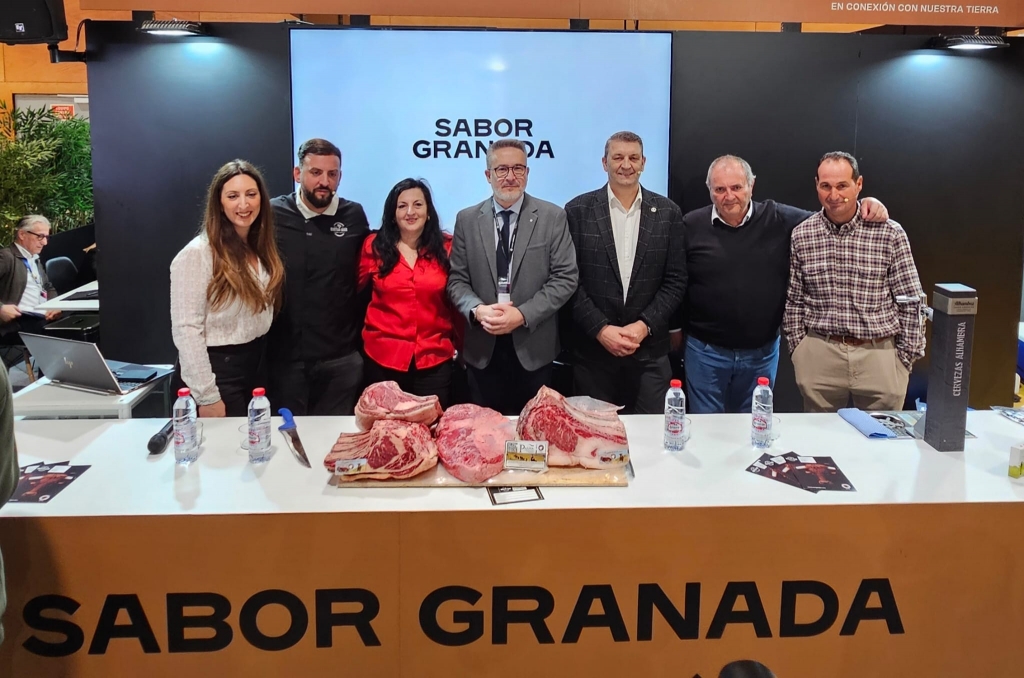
point(853, 317)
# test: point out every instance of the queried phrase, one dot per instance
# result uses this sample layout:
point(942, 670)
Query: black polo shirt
point(322, 316)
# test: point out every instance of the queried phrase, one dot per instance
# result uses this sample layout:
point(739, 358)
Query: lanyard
point(31, 270)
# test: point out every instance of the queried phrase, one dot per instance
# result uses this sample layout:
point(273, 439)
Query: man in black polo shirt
point(737, 260)
point(315, 366)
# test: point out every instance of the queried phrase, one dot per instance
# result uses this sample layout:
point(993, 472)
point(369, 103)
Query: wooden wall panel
point(471, 21)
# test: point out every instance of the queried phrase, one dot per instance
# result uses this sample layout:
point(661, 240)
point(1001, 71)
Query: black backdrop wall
point(165, 114)
point(938, 135)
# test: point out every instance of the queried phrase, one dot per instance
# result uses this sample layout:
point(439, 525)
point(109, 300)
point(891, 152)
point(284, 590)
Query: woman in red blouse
point(410, 330)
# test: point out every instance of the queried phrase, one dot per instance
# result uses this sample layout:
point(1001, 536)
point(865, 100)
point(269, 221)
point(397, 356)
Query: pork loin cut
point(471, 441)
point(580, 431)
point(384, 400)
point(392, 449)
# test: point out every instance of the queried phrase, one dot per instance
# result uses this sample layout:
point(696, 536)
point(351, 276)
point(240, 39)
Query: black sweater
point(736, 293)
point(322, 316)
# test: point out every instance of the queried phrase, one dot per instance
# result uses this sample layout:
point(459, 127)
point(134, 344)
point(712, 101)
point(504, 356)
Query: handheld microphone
point(159, 440)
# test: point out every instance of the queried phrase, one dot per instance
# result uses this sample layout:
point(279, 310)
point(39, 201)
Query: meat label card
point(513, 495)
point(350, 467)
point(526, 455)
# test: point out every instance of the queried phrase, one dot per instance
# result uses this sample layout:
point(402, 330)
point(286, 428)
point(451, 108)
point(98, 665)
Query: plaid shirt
point(845, 280)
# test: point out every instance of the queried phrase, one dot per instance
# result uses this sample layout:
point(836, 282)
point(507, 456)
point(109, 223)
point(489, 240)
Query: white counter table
point(709, 473)
point(915, 573)
point(63, 302)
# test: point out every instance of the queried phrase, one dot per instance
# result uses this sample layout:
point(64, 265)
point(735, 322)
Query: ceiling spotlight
point(969, 42)
point(173, 27)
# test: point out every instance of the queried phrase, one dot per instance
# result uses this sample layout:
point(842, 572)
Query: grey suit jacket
point(543, 274)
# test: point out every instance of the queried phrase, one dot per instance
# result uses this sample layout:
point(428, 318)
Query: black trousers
point(319, 387)
point(238, 369)
point(436, 380)
point(638, 385)
point(505, 385)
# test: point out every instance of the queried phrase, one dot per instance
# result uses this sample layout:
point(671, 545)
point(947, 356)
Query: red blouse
point(409, 316)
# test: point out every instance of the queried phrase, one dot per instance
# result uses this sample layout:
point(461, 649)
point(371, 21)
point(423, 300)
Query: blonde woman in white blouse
point(225, 287)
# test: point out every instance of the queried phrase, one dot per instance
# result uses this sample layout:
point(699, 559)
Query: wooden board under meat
point(555, 476)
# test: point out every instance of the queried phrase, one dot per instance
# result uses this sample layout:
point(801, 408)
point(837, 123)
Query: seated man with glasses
point(23, 282)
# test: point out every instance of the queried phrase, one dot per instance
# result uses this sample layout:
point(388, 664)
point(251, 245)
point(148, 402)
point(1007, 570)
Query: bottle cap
point(675, 383)
point(762, 381)
point(184, 392)
point(258, 392)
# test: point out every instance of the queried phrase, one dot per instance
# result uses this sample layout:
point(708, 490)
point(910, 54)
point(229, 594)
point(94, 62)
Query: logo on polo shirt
point(339, 229)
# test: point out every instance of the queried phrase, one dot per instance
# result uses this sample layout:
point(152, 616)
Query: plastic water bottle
point(675, 417)
point(186, 437)
point(761, 412)
point(259, 427)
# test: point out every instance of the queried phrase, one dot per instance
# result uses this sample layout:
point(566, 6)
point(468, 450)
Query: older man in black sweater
point(737, 262)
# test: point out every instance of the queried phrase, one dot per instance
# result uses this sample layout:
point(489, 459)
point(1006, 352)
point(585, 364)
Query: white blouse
point(194, 325)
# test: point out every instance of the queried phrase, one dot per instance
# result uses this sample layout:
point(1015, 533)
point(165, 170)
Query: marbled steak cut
point(392, 449)
point(591, 437)
point(384, 400)
point(471, 441)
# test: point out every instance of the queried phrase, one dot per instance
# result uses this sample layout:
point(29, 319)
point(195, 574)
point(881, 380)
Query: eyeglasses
point(41, 236)
point(501, 171)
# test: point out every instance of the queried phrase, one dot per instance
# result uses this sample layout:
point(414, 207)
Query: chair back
point(62, 274)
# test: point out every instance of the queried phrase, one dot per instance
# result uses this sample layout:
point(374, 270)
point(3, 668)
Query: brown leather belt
point(853, 341)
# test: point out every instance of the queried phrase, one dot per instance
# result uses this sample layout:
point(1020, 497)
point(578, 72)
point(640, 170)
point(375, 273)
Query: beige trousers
point(829, 373)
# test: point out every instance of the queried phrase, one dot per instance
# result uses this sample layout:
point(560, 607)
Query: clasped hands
point(498, 319)
point(622, 341)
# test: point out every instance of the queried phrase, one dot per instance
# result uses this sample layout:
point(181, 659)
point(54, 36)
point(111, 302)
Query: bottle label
point(674, 427)
point(760, 423)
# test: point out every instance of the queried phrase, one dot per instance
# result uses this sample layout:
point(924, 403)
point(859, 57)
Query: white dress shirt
point(625, 230)
point(34, 293)
point(746, 217)
point(194, 325)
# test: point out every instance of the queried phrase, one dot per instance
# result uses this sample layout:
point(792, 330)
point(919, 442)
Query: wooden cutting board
point(555, 476)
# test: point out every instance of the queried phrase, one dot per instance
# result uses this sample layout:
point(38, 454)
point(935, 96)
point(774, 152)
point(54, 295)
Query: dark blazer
point(14, 278)
point(657, 283)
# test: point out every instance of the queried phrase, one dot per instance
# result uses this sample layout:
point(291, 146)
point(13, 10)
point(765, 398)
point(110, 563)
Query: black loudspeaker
point(27, 22)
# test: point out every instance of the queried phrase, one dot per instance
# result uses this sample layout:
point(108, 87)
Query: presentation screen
point(428, 103)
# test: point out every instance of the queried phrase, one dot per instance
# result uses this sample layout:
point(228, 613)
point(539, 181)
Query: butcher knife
point(291, 436)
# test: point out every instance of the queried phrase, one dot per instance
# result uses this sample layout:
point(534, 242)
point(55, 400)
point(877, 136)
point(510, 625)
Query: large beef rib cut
point(384, 400)
point(471, 441)
point(580, 431)
point(391, 449)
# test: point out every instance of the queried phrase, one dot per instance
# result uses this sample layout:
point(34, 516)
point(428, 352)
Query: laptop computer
point(80, 365)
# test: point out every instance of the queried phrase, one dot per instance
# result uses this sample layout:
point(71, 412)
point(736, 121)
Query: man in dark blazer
point(512, 268)
point(23, 281)
point(629, 247)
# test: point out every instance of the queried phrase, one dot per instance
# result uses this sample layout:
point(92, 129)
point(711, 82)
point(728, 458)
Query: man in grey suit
point(513, 267)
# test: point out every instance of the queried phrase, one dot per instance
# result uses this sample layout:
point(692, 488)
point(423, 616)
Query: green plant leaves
point(45, 168)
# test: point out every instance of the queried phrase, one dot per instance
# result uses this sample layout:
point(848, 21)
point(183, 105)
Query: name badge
point(504, 291)
point(526, 455)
